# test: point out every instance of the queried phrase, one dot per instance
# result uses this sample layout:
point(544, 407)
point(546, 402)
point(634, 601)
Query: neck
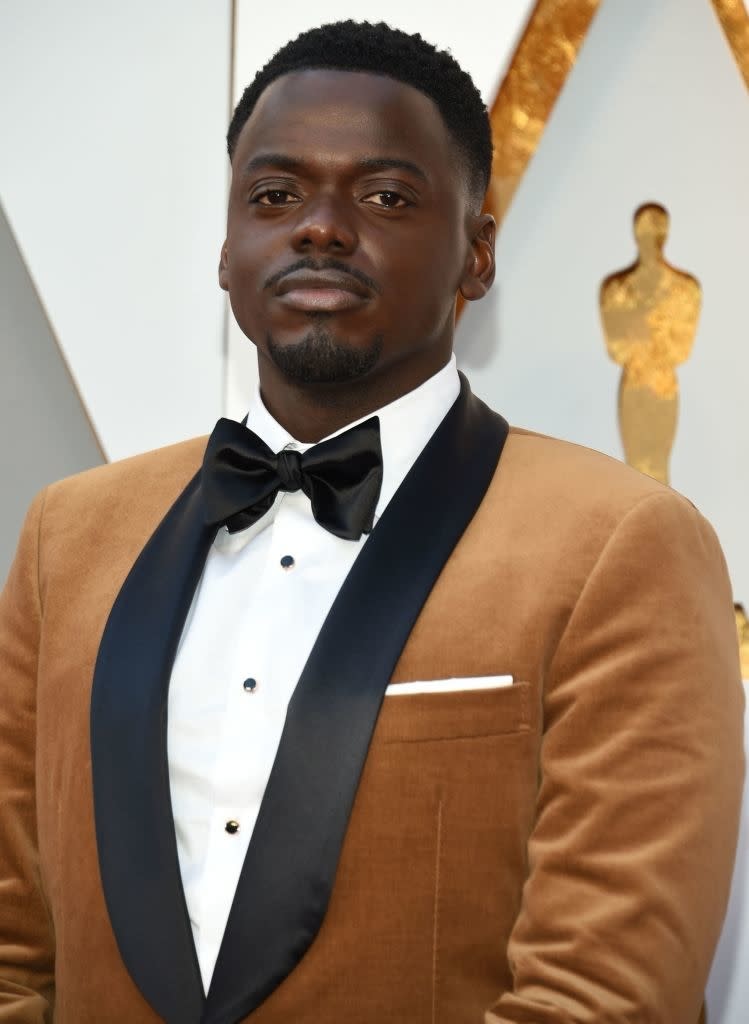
point(312, 411)
point(651, 253)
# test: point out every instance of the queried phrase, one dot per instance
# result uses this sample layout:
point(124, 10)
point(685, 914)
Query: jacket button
point(232, 827)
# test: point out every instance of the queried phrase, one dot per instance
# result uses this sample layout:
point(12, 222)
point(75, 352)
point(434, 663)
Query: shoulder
point(569, 501)
point(580, 476)
point(560, 471)
point(175, 462)
point(134, 490)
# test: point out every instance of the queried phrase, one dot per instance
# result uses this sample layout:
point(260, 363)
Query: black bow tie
point(341, 477)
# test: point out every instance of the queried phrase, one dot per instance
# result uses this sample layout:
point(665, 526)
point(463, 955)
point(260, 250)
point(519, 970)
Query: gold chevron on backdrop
point(546, 54)
point(544, 57)
point(734, 18)
point(539, 69)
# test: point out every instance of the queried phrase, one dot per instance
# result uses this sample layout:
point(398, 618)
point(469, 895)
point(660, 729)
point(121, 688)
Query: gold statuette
point(742, 626)
point(650, 313)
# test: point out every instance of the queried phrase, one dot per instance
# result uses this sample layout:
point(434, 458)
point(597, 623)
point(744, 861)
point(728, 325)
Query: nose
point(324, 225)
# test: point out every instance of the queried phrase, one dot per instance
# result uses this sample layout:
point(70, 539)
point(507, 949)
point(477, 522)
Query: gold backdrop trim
point(544, 57)
point(734, 18)
point(539, 69)
point(546, 54)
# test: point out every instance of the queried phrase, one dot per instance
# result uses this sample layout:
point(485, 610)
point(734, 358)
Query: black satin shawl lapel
point(288, 874)
point(132, 805)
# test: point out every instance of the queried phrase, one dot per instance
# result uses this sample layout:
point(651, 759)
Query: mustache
point(326, 264)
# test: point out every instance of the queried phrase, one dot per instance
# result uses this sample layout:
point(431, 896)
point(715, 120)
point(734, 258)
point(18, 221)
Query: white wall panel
point(482, 43)
point(114, 180)
point(655, 109)
point(46, 434)
point(728, 988)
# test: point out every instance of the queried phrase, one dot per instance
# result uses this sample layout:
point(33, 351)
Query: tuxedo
point(264, 594)
point(555, 850)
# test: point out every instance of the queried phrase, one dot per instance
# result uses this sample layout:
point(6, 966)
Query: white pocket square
point(449, 685)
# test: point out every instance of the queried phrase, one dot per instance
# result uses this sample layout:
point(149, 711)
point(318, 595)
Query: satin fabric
point(342, 477)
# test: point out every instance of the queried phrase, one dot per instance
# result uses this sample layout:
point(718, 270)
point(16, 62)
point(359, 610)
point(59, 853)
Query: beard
point(319, 358)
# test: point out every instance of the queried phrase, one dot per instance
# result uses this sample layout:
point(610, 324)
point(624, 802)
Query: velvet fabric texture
point(289, 869)
point(554, 852)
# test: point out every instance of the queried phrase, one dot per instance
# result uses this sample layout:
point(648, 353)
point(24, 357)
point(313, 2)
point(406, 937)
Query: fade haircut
point(382, 50)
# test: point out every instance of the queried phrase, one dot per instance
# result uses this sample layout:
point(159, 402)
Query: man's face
point(350, 230)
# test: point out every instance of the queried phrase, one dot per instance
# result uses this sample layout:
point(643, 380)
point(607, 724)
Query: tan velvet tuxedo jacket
point(554, 852)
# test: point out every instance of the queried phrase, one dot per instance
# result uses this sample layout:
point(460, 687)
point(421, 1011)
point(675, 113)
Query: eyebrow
point(279, 160)
point(284, 162)
point(386, 164)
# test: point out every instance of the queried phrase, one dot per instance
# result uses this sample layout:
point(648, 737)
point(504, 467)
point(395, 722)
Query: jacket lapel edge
point(135, 834)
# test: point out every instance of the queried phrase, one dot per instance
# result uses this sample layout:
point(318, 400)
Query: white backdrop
point(728, 988)
point(113, 178)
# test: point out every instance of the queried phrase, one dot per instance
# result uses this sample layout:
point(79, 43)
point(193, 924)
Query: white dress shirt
point(262, 599)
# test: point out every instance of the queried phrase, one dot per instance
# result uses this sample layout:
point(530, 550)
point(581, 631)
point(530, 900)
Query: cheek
point(422, 281)
point(247, 269)
point(243, 291)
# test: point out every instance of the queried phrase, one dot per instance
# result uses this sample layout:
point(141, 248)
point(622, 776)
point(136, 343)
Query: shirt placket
point(263, 675)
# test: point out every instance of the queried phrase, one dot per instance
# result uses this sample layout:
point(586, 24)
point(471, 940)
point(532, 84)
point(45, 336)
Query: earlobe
point(479, 271)
point(223, 269)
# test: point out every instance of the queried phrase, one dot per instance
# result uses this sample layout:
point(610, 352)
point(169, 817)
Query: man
point(377, 710)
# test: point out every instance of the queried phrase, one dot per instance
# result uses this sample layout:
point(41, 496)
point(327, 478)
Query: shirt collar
point(406, 425)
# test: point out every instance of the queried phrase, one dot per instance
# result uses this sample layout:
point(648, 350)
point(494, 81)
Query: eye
point(388, 199)
point(275, 197)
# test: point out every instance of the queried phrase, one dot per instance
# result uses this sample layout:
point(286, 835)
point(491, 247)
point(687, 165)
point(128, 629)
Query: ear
point(223, 269)
point(478, 273)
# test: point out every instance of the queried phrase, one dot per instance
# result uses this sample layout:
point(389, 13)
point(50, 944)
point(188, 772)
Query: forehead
point(341, 115)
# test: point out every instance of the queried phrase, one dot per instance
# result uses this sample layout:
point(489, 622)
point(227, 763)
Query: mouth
point(309, 292)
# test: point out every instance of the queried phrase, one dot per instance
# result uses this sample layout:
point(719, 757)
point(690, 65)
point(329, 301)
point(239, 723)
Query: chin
point(321, 357)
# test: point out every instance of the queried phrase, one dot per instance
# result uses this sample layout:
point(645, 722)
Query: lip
point(322, 292)
point(321, 300)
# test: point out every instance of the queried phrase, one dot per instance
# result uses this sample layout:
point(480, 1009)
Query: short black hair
point(382, 50)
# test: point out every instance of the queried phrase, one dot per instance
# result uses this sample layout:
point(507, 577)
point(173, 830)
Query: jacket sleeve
point(631, 855)
point(26, 936)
